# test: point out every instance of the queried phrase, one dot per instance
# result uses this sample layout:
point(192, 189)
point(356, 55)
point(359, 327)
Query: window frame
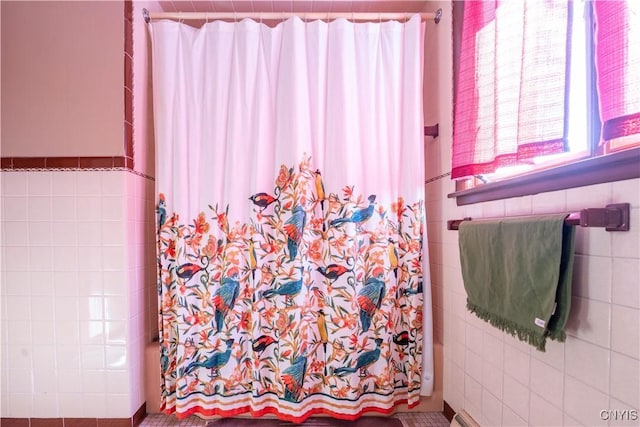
point(596, 167)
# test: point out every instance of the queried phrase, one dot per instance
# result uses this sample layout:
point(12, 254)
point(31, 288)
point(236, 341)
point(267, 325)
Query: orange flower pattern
point(300, 310)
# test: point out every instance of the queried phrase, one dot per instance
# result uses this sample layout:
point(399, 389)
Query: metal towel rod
point(614, 217)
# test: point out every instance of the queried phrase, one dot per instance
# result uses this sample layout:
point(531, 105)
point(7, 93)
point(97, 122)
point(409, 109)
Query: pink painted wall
point(62, 79)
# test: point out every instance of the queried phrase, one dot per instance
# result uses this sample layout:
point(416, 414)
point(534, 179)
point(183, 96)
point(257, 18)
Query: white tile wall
point(501, 381)
point(68, 339)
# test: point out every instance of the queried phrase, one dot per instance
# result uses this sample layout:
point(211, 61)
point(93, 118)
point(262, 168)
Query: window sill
point(616, 166)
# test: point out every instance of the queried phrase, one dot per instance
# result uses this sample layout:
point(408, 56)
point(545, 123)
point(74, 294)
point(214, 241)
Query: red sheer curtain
point(617, 49)
point(511, 95)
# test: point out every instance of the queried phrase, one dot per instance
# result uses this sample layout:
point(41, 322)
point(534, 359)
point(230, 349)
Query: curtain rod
point(278, 16)
point(614, 217)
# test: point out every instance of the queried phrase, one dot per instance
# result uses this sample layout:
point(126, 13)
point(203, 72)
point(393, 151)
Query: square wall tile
point(492, 378)
point(593, 241)
point(40, 233)
point(516, 397)
point(543, 413)
point(64, 183)
point(15, 233)
point(627, 244)
point(472, 391)
point(64, 208)
point(69, 381)
point(16, 258)
point(70, 405)
point(39, 208)
point(89, 208)
point(67, 309)
point(39, 183)
point(15, 283)
point(91, 258)
point(21, 405)
point(21, 380)
point(516, 364)
point(553, 354)
point(473, 338)
point(89, 183)
point(626, 282)
point(625, 372)
point(14, 208)
point(584, 403)
point(627, 191)
point(112, 208)
point(592, 277)
point(92, 357)
point(113, 183)
point(67, 359)
point(491, 409)
point(547, 382)
point(91, 308)
point(113, 258)
point(95, 405)
point(89, 233)
point(473, 365)
point(14, 183)
point(595, 195)
point(590, 321)
point(624, 330)
point(42, 283)
point(92, 332)
point(65, 283)
point(65, 259)
point(589, 363)
point(18, 332)
point(67, 332)
point(18, 308)
point(42, 309)
point(510, 418)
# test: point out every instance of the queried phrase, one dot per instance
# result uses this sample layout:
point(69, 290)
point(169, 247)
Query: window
point(534, 81)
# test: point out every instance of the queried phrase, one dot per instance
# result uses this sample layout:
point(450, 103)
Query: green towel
point(517, 273)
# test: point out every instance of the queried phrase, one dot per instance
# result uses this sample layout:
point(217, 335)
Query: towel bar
point(613, 217)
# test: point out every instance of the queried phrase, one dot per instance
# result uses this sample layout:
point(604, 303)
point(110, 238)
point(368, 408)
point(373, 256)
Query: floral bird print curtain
point(297, 295)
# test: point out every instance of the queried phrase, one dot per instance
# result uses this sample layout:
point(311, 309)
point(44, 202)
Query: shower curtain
point(290, 207)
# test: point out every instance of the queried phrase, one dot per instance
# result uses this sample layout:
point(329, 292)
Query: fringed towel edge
point(531, 336)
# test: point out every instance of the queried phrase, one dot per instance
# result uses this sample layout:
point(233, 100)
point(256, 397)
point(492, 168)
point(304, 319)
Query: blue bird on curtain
point(294, 228)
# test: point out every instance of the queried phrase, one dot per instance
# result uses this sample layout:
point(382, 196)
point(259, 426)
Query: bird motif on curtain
point(359, 216)
point(293, 378)
point(251, 275)
point(333, 271)
point(224, 299)
point(363, 361)
point(288, 289)
point(263, 200)
point(214, 362)
point(262, 342)
point(294, 228)
point(369, 300)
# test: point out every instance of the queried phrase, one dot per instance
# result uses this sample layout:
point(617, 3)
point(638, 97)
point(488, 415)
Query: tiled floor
point(409, 419)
